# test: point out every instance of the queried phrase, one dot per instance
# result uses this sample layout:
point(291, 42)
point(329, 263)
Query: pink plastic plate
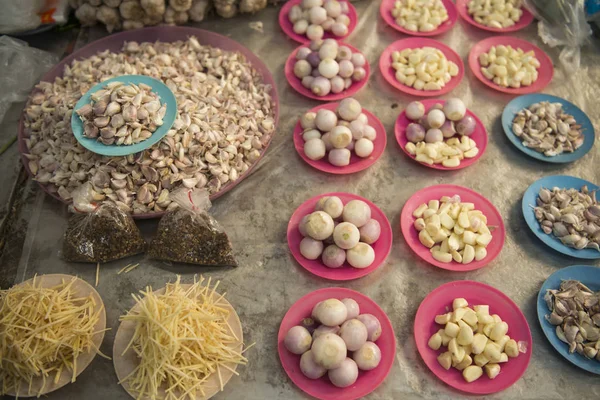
point(439, 301)
point(288, 27)
point(321, 388)
point(297, 83)
point(466, 195)
point(356, 163)
point(479, 136)
point(382, 247)
point(545, 72)
point(386, 13)
point(385, 65)
point(525, 20)
point(164, 34)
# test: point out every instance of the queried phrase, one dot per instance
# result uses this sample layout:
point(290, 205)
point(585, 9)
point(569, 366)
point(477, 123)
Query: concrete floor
point(255, 215)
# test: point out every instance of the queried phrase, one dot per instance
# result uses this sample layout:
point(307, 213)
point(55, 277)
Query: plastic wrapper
point(562, 23)
point(22, 66)
point(99, 233)
point(190, 235)
point(19, 16)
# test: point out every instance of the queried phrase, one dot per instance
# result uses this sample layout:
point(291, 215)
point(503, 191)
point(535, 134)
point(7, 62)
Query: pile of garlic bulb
point(134, 14)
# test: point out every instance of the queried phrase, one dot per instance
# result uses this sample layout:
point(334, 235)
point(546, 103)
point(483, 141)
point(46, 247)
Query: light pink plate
point(482, 204)
point(322, 388)
point(382, 246)
point(356, 163)
point(545, 72)
point(439, 302)
point(479, 136)
point(385, 65)
point(288, 27)
point(526, 19)
point(386, 13)
point(296, 83)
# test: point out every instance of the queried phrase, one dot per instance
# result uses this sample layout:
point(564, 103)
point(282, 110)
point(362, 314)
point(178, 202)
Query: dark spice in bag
point(99, 233)
point(189, 235)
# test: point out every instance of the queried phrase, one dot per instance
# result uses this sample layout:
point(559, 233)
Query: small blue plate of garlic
point(553, 323)
point(124, 115)
point(539, 120)
point(530, 202)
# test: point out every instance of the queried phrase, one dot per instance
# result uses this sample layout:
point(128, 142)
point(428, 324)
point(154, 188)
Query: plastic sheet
point(19, 16)
point(562, 23)
point(99, 233)
point(21, 67)
point(189, 235)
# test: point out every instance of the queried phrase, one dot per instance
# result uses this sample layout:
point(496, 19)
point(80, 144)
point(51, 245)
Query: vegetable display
point(424, 68)
point(197, 152)
point(440, 136)
point(575, 311)
point(475, 341)
point(337, 341)
point(340, 233)
point(571, 215)
point(184, 340)
point(495, 14)
point(509, 67)
point(47, 325)
point(315, 17)
point(546, 128)
point(338, 134)
point(453, 230)
point(122, 114)
point(326, 66)
point(419, 15)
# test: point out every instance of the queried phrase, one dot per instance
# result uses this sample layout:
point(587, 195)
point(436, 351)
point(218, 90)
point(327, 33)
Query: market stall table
point(255, 215)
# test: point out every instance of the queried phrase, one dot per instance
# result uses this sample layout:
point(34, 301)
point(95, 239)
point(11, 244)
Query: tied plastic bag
point(189, 235)
point(20, 16)
point(562, 23)
point(99, 233)
point(21, 66)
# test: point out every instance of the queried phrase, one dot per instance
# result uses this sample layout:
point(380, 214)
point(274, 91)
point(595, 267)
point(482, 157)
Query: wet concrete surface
point(255, 215)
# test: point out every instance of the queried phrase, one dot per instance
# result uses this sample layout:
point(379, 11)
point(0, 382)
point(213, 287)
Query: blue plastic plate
point(166, 96)
point(589, 276)
point(529, 199)
point(521, 102)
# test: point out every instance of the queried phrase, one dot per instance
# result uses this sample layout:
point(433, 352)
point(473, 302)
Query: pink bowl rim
point(296, 83)
point(407, 220)
point(424, 313)
point(526, 19)
point(155, 33)
point(341, 292)
point(385, 12)
point(401, 139)
point(537, 86)
point(334, 273)
point(418, 41)
point(361, 164)
point(286, 25)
